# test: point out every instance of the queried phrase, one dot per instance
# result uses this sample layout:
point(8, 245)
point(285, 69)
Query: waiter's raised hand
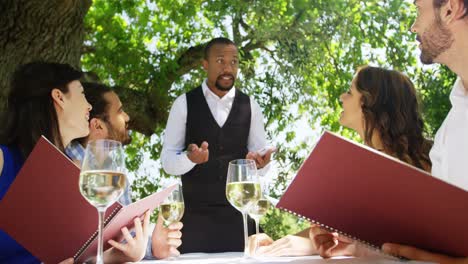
point(261, 158)
point(197, 154)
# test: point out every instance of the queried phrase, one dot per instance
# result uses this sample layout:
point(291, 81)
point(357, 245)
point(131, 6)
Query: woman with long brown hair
point(382, 107)
point(48, 99)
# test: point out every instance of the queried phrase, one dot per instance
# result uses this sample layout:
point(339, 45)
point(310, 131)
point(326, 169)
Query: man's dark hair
point(439, 3)
point(216, 41)
point(95, 95)
point(30, 109)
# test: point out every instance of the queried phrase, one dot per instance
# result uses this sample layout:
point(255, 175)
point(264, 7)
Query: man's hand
point(166, 240)
point(261, 160)
point(260, 240)
point(289, 245)
point(330, 244)
point(197, 154)
point(421, 255)
point(67, 261)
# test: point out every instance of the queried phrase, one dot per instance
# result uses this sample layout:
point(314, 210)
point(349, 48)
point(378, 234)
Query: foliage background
point(298, 56)
point(303, 55)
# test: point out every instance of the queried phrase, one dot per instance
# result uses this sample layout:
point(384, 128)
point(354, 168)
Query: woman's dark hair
point(390, 106)
point(30, 107)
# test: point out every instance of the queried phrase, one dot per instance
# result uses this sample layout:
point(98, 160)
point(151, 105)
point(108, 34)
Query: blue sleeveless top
point(10, 250)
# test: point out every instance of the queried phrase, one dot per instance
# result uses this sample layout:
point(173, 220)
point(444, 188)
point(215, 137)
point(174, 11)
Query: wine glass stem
point(99, 257)
point(246, 236)
point(257, 228)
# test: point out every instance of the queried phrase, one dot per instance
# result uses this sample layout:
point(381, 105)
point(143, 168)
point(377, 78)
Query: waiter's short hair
point(216, 41)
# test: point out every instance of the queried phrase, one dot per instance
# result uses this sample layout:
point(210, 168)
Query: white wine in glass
point(172, 209)
point(243, 190)
point(242, 195)
point(102, 179)
point(172, 212)
point(101, 187)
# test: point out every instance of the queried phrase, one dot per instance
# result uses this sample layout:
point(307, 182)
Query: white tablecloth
point(236, 257)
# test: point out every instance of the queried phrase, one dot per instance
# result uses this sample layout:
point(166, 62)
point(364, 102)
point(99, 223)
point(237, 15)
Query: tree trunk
point(49, 30)
point(54, 30)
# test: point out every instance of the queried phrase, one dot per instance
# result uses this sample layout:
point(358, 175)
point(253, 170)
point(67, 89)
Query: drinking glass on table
point(243, 190)
point(102, 179)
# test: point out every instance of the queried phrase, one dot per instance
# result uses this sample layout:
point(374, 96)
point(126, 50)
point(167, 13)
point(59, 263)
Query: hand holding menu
point(374, 198)
point(45, 212)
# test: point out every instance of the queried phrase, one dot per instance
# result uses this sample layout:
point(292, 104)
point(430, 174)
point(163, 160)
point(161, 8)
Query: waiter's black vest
point(211, 224)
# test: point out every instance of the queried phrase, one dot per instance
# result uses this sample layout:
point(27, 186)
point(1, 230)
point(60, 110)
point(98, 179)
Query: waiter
point(208, 127)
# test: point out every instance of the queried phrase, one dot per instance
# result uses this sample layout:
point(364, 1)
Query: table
point(236, 257)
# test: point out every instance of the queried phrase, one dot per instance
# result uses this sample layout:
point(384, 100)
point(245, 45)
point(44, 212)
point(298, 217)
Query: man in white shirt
point(108, 120)
point(208, 127)
point(442, 31)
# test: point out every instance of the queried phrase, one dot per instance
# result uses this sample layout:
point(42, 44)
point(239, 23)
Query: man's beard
point(434, 41)
point(122, 137)
point(224, 88)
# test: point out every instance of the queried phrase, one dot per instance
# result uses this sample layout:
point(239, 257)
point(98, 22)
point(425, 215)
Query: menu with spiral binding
point(373, 198)
point(44, 211)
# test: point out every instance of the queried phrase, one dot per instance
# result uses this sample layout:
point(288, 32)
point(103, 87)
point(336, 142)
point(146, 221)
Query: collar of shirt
point(75, 151)
point(229, 97)
point(219, 107)
point(459, 95)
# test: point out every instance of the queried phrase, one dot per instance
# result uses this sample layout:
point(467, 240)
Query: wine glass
point(102, 179)
point(242, 190)
point(172, 208)
point(258, 209)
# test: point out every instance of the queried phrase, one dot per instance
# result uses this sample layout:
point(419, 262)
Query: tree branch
point(235, 29)
point(246, 27)
point(86, 49)
point(143, 115)
point(272, 55)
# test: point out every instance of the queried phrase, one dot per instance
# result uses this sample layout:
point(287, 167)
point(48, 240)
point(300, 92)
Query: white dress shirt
point(449, 155)
point(174, 160)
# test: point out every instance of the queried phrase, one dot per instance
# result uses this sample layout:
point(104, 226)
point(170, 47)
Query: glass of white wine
point(243, 190)
point(258, 209)
point(172, 208)
point(102, 179)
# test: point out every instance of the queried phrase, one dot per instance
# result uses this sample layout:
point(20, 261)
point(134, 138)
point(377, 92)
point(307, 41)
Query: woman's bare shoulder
point(1, 161)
